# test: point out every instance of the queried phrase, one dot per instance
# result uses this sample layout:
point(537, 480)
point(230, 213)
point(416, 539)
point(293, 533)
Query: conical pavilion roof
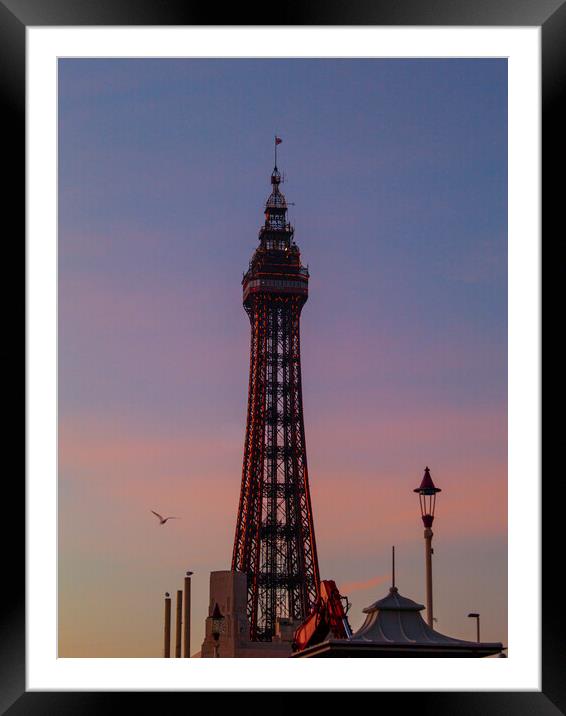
point(397, 620)
point(394, 627)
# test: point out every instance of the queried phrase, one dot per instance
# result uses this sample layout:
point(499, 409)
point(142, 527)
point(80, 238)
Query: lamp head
point(427, 491)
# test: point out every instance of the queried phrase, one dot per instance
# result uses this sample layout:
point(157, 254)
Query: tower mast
point(275, 542)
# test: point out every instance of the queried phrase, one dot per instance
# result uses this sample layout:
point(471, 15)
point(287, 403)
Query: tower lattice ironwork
point(275, 542)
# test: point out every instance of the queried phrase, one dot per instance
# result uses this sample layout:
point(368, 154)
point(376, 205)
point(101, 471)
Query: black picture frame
point(15, 16)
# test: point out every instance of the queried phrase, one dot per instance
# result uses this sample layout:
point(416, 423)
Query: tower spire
point(276, 215)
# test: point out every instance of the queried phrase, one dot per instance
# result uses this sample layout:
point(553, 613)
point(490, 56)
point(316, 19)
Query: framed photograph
point(392, 161)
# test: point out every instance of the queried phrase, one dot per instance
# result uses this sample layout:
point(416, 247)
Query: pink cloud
point(349, 587)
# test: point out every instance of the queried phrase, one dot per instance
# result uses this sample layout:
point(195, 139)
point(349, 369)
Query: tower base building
point(228, 592)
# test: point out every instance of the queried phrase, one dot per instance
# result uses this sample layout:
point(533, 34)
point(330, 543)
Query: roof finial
point(393, 567)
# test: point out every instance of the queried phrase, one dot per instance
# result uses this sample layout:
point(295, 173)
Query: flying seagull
point(163, 520)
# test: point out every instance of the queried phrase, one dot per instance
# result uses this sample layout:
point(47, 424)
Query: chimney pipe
point(167, 627)
point(187, 617)
point(178, 624)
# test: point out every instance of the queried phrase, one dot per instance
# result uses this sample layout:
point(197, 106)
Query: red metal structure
point(274, 542)
point(327, 618)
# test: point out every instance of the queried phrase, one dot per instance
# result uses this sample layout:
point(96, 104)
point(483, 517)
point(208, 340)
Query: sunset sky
point(398, 174)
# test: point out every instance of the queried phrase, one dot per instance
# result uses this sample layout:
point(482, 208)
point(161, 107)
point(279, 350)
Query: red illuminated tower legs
point(275, 543)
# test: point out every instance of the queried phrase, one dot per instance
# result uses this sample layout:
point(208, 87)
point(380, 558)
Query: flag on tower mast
point(278, 140)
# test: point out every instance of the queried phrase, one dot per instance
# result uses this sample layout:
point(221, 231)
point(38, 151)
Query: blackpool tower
point(275, 543)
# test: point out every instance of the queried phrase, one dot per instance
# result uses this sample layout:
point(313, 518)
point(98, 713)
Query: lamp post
point(476, 616)
point(427, 500)
point(217, 621)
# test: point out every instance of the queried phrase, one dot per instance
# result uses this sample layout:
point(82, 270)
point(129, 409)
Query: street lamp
point(217, 621)
point(427, 500)
point(474, 615)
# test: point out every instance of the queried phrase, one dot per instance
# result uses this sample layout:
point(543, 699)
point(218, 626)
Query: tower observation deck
point(275, 542)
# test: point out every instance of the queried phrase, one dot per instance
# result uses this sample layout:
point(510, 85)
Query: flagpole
point(276, 140)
